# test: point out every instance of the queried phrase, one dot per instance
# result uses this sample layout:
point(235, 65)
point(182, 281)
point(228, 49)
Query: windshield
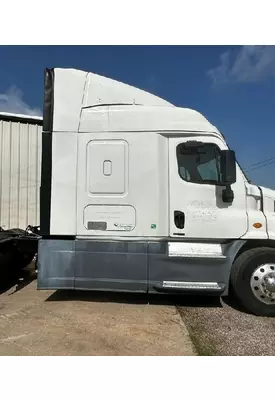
point(245, 175)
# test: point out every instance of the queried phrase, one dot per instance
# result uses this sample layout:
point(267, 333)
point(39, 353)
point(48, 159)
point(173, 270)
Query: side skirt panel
point(132, 266)
point(56, 264)
point(165, 268)
point(117, 265)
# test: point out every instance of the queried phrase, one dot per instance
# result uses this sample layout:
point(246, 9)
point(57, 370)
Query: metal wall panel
point(20, 168)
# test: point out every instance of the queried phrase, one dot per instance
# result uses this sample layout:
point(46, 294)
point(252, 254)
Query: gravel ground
point(218, 329)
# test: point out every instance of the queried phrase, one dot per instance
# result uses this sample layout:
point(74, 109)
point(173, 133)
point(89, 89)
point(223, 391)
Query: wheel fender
point(230, 251)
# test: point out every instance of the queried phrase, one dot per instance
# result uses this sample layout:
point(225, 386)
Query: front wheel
point(253, 280)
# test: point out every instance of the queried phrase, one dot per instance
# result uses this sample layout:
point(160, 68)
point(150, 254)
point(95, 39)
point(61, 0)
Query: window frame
point(217, 151)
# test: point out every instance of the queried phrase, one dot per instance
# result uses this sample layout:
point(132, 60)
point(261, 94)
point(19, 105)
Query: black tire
point(7, 271)
point(241, 273)
point(23, 260)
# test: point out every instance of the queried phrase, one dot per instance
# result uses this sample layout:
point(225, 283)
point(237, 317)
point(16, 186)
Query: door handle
point(179, 219)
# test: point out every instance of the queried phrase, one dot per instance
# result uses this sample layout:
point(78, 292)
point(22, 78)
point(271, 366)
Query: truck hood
point(270, 193)
point(255, 191)
point(269, 210)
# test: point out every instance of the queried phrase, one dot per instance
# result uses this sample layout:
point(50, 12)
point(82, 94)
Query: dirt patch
point(75, 323)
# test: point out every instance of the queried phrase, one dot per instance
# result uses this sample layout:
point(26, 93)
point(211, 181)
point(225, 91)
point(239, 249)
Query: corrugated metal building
point(20, 161)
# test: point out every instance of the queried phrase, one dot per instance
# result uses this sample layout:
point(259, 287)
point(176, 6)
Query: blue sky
point(234, 87)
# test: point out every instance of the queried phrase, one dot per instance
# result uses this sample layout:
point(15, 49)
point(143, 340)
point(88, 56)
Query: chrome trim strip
point(191, 285)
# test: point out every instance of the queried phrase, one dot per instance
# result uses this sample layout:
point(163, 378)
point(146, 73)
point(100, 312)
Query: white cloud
point(247, 64)
point(12, 102)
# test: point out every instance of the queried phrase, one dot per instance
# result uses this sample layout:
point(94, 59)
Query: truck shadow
point(27, 275)
point(135, 298)
point(19, 280)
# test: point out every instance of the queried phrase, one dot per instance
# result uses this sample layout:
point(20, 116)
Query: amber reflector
point(257, 225)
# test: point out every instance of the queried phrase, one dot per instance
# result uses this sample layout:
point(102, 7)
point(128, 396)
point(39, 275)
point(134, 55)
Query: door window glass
point(201, 164)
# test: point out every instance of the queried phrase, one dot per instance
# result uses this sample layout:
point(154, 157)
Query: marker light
point(257, 225)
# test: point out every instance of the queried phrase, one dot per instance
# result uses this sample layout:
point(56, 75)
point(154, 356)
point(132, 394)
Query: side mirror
point(228, 167)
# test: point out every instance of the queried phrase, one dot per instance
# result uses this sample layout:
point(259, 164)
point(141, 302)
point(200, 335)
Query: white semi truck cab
point(138, 195)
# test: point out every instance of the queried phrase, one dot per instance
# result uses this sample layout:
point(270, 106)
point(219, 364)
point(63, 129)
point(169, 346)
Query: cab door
point(197, 207)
